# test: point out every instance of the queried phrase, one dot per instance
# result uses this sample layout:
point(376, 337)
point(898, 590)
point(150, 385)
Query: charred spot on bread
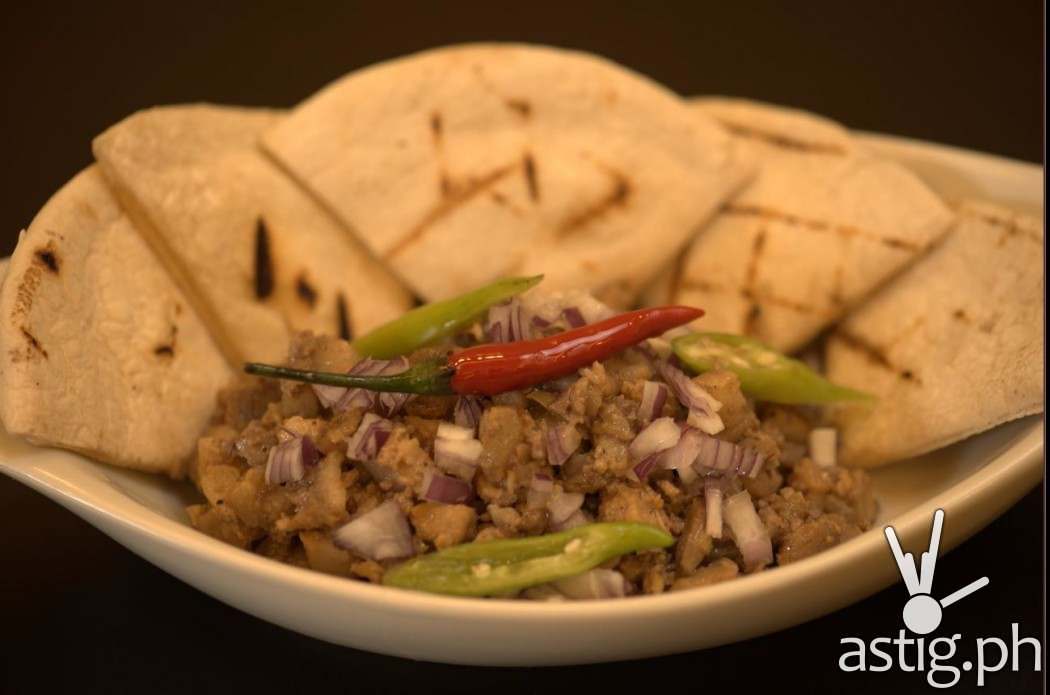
point(48, 258)
point(34, 344)
point(529, 167)
point(168, 349)
point(459, 196)
point(263, 261)
point(617, 197)
point(873, 353)
point(305, 291)
point(343, 317)
point(519, 106)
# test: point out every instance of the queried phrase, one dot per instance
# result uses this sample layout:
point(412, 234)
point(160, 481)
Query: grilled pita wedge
point(822, 224)
point(100, 352)
point(257, 257)
point(463, 164)
point(953, 347)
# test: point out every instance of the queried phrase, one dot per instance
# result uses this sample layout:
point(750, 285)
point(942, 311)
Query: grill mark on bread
point(263, 261)
point(1010, 228)
point(873, 353)
point(766, 299)
point(677, 274)
point(505, 202)
point(819, 226)
point(617, 197)
point(34, 344)
point(305, 291)
point(342, 311)
point(520, 107)
point(528, 165)
point(168, 349)
point(437, 133)
point(753, 313)
point(458, 197)
point(48, 258)
point(783, 141)
point(27, 291)
point(436, 127)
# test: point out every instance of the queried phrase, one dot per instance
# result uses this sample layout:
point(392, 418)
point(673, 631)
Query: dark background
point(78, 612)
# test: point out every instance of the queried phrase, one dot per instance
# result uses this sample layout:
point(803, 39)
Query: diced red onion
point(328, 396)
point(540, 322)
point(506, 323)
point(718, 457)
point(468, 412)
point(822, 446)
point(594, 584)
point(562, 441)
point(662, 433)
point(681, 456)
point(381, 534)
point(540, 490)
point(714, 490)
point(447, 430)
point(658, 350)
point(573, 317)
point(371, 435)
point(446, 489)
point(654, 396)
point(578, 518)
point(643, 468)
point(749, 533)
point(561, 505)
point(590, 308)
point(703, 408)
point(556, 311)
point(457, 456)
point(287, 462)
point(384, 403)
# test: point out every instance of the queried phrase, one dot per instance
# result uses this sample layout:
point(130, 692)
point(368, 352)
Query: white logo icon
point(922, 612)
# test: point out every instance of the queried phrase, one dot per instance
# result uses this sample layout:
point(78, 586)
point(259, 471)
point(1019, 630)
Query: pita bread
point(256, 255)
point(952, 347)
point(464, 164)
point(100, 352)
point(822, 224)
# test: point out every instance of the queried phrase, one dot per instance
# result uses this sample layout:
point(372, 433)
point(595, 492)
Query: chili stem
point(429, 378)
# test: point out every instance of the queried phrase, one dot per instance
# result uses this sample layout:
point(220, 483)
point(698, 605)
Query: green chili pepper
point(502, 567)
point(430, 323)
point(764, 373)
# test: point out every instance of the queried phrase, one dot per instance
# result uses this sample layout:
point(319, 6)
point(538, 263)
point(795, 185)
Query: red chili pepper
point(492, 369)
point(496, 368)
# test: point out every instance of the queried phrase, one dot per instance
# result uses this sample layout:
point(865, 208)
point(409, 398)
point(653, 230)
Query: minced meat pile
point(806, 508)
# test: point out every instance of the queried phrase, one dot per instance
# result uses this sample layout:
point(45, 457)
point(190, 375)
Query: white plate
point(973, 482)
